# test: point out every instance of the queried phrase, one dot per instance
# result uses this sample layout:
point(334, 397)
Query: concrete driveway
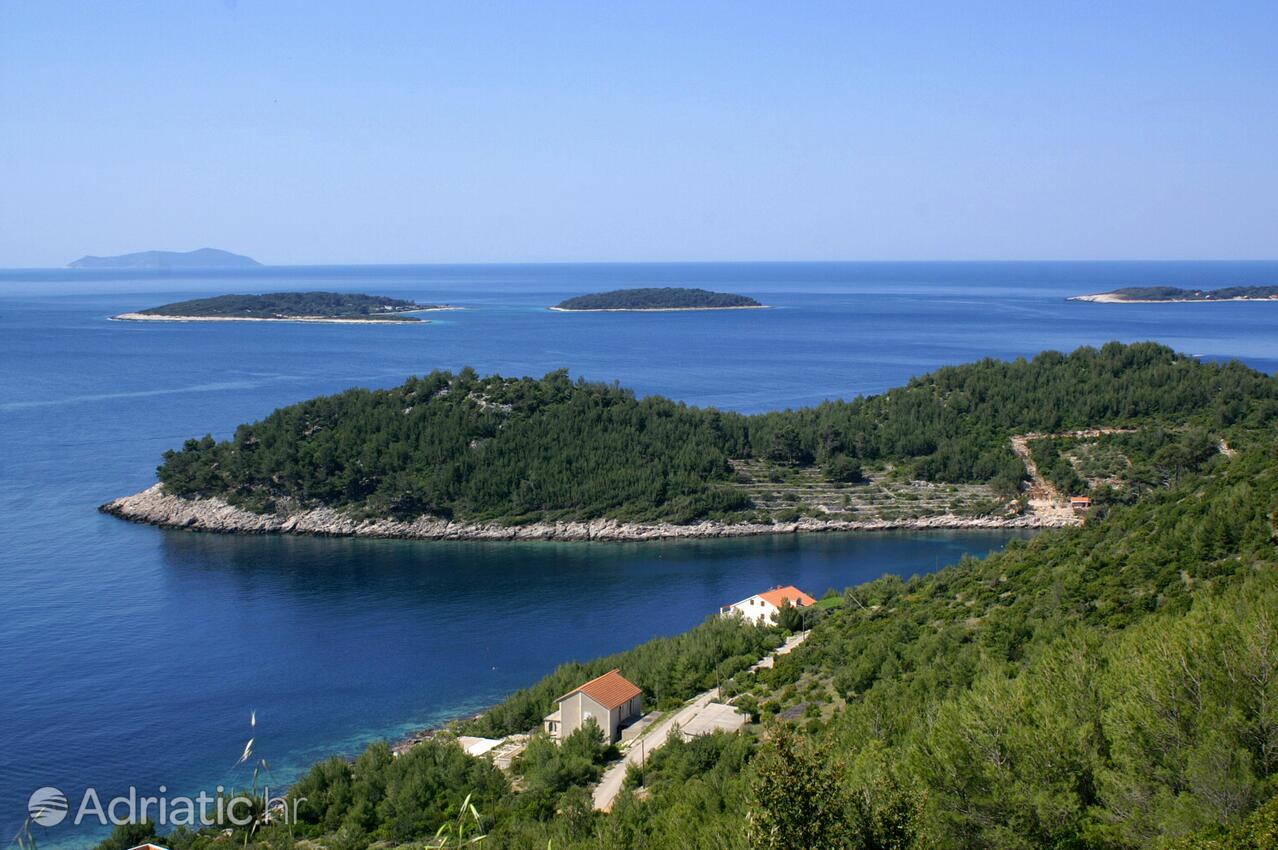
point(699, 717)
point(610, 785)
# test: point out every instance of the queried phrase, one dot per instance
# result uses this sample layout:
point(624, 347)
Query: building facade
point(611, 700)
point(762, 608)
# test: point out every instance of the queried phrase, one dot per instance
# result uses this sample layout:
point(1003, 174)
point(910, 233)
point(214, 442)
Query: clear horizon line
point(262, 265)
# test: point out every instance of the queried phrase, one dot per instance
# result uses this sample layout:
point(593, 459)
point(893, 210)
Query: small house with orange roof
point(612, 700)
point(762, 608)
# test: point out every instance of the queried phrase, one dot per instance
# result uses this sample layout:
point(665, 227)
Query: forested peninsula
point(457, 455)
point(286, 306)
point(657, 299)
point(1111, 686)
point(1172, 294)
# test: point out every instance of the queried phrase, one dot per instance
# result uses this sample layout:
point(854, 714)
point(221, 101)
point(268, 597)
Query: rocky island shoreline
point(663, 299)
point(155, 507)
point(328, 307)
point(328, 320)
point(1179, 295)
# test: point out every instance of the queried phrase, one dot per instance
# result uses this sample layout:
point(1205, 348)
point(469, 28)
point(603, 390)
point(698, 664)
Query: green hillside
point(1110, 686)
point(518, 450)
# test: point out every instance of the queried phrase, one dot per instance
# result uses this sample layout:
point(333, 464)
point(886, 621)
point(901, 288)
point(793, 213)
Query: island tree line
point(479, 449)
point(1111, 686)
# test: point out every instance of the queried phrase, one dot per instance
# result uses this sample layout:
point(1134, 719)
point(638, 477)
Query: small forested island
point(1172, 294)
point(657, 299)
point(286, 306)
point(457, 455)
point(203, 258)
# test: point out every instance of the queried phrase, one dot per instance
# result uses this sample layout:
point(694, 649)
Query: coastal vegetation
point(1123, 465)
point(514, 451)
point(658, 298)
point(669, 670)
point(1173, 293)
point(1112, 686)
point(466, 447)
point(291, 305)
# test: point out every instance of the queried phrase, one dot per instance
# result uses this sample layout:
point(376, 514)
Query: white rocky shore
point(1115, 298)
point(155, 507)
point(656, 309)
point(314, 320)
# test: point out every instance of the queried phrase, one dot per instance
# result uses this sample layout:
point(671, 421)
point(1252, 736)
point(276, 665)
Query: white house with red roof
point(762, 608)
point(611, 699)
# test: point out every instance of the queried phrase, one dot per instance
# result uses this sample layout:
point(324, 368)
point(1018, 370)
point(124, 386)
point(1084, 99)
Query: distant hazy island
point(658, 298)
point(1171, 294)
point(204, 258)
point(286, 307)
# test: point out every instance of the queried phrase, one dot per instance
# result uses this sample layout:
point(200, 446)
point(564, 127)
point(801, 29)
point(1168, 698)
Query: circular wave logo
point(47, 806)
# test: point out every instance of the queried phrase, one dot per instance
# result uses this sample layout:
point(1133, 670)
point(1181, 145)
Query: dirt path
point(1044, 499)
point(1040, 490)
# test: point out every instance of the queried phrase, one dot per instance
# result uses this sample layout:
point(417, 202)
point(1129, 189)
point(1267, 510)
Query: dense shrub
point(479, 449)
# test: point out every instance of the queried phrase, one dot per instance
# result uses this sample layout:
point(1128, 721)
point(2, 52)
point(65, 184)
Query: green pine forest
point(1110, 686)
point(657, 298)
point(278, 305)
point(494, 449)
point(1173, 293)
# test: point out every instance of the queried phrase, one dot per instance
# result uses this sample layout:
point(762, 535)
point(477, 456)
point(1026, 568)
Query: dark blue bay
point(134, 656)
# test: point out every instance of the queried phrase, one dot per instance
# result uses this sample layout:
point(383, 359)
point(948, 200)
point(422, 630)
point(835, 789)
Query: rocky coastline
point(389, 318)
point(155, 507)
point(1116, 298)
point(656, 309)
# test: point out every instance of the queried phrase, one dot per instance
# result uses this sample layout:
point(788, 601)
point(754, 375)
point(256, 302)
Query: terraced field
point(789, 492)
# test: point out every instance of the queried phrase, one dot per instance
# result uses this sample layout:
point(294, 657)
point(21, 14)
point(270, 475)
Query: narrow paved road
point(610, 784)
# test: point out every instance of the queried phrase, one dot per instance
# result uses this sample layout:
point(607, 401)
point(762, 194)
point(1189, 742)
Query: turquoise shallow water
point(134, 656)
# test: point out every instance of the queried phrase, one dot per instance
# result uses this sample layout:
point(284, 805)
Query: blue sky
point(310, 132)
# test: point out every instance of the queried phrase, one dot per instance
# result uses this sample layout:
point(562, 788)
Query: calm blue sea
point(134, 656)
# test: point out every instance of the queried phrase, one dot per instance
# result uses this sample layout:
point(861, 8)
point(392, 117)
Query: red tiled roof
point(797, 597)
point(609, 690)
